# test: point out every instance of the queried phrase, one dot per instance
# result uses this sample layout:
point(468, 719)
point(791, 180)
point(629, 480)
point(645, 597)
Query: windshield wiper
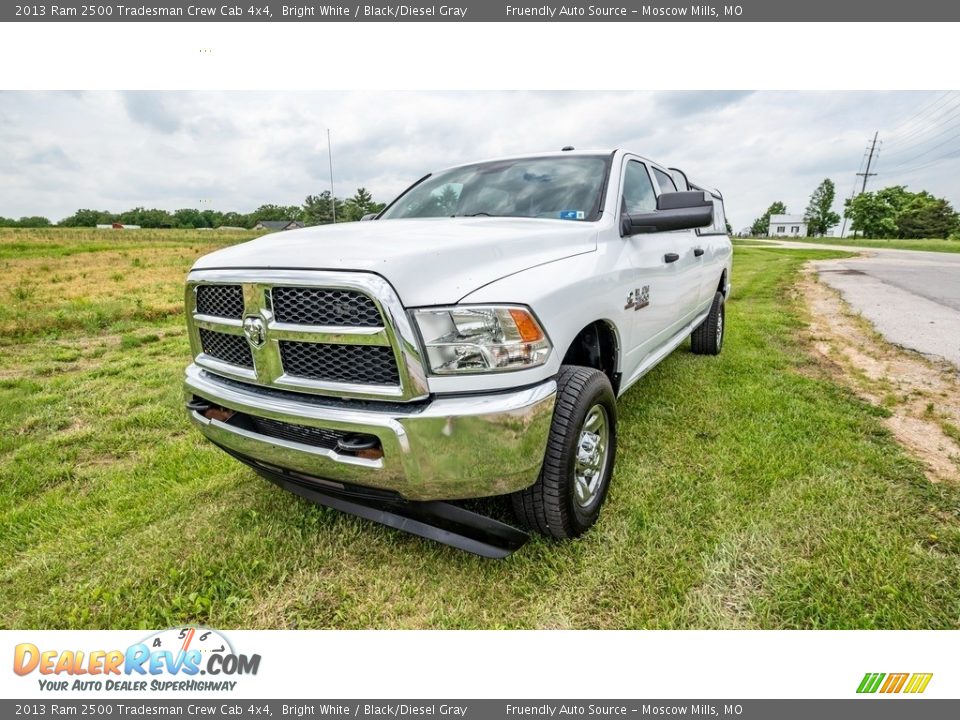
point(476, 214)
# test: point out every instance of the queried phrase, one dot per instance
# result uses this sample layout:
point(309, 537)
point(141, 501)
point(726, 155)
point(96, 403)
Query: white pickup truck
point(468, 341)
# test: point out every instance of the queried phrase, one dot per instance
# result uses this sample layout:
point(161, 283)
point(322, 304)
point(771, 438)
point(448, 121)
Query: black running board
point(443, 522)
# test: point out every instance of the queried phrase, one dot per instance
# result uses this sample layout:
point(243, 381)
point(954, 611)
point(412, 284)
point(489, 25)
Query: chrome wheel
point(720, 328)
point(591, 459)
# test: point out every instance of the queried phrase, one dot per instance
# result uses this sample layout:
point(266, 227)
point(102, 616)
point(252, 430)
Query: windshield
point(564, 188)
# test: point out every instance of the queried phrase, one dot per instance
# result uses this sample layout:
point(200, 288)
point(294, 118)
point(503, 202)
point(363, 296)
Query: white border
point(545, 664)
point(346, 56)
point(478, 56)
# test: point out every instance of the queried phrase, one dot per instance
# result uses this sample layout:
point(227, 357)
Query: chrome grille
point(231, 349)
point(324, 306)
point(362, 364)
point(314, 436)
point(339, 334)
point(220, 300)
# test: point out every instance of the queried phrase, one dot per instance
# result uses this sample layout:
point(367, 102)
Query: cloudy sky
point(60, 151)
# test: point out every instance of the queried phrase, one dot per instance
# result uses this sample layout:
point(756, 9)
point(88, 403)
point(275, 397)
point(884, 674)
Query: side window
point(719, 226)
point(638, 195)
point(719, 218)
point(665, 182)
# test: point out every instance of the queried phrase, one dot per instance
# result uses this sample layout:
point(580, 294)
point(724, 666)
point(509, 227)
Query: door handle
point(670, 257)
point(697, 252)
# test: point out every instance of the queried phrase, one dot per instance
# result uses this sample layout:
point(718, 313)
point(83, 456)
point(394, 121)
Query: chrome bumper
point(450, 448)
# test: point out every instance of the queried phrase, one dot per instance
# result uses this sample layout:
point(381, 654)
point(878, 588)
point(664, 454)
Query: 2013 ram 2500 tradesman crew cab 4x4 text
point(471, 340)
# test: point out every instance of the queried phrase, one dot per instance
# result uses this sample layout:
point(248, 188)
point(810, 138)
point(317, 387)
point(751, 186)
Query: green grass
point(750, 491)
point(61, 282)
point(749, 242)
point(927, 244)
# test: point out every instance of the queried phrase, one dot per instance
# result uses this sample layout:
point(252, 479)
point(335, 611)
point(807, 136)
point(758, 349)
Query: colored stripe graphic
point(918, 682)
point(870, 682)
point(894, 683)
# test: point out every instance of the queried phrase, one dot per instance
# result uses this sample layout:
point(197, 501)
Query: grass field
point(928, 244)
point(750, 490)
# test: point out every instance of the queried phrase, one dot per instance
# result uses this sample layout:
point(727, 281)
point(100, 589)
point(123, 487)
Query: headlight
point(471, 339)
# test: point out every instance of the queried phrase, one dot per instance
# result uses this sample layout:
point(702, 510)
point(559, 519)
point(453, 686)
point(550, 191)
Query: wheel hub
point(591, 461)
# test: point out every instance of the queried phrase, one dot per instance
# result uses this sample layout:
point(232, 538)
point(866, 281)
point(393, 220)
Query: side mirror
point(368, 216)
point(675, 211)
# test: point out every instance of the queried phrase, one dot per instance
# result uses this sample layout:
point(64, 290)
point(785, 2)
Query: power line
point(919, 143)
point(919, 112)
point(931, 132)
point(930, 163)
point(914, 143)
point(916, 116)
point(925, 152)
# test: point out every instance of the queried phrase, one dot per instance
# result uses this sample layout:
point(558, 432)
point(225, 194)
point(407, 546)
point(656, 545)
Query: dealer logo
point(910, 683)
point(168, 660)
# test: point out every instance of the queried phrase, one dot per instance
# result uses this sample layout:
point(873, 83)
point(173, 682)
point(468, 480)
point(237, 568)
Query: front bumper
point(448, 448)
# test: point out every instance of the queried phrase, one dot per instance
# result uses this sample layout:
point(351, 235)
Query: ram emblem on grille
point(255, 331)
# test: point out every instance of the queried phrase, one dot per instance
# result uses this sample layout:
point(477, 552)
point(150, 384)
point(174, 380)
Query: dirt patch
point(922, 396)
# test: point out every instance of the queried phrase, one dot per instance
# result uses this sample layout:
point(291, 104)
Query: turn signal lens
point(529, 330)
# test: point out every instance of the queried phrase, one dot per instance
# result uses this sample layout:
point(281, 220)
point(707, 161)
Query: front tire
point(707, 339)
point(566, 499)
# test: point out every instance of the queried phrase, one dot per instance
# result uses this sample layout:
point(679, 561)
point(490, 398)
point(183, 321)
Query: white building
point(787, 225)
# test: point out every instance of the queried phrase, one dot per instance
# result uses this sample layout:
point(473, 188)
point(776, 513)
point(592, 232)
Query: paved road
point(912, 298)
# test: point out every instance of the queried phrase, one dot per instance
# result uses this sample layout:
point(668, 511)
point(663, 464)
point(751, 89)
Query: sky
point(60, 151)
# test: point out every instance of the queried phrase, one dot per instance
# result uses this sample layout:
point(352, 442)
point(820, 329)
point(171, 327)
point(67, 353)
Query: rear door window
point(719, 226)
point(719, 217)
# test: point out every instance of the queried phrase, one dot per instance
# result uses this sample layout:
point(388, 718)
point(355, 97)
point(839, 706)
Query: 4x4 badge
point(638, 299)
point(255, 331)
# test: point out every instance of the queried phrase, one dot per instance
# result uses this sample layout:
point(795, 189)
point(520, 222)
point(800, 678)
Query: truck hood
point(429, 262)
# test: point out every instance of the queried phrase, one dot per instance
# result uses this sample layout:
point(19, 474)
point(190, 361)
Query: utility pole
point(865, 174)
point(853, 194)
point(333, 198)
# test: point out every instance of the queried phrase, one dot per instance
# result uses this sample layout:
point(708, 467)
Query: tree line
point(893, 212)
point(316, 210)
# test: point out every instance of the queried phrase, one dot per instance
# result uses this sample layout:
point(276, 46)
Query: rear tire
point(707, 339)
point(566, 499)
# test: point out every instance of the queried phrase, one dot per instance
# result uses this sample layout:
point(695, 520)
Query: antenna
point(333, 198)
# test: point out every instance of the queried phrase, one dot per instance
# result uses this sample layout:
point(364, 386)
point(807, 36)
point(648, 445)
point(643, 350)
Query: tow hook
point(361, 445)
point(210, 412)
point(198, 406)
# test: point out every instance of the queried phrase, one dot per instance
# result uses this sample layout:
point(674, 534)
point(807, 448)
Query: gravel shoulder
point(910, 297)
point(921, 395)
